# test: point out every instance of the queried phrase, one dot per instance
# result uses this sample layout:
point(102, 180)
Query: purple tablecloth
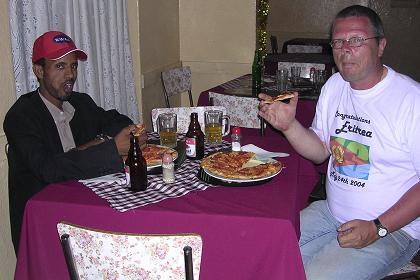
point(248, 232)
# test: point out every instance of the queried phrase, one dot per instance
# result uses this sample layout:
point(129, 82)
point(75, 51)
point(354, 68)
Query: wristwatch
point(103, 137)
point(382, 231)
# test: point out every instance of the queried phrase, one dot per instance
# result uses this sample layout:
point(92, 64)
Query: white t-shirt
point(373, 136)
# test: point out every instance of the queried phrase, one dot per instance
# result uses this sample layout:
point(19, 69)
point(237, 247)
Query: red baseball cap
point(54, 45)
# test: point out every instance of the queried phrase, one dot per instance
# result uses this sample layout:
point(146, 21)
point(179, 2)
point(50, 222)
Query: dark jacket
point(36, 157)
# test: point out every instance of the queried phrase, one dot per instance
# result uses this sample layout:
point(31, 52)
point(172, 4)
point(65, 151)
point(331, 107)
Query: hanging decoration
point(261, 26)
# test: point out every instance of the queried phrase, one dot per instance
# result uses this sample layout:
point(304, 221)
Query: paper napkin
point(115, 179)
point(261, 153)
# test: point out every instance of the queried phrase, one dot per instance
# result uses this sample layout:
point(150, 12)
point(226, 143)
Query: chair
point(176, 81)
point(95, 254)
point(409, 271)
point(183, 115)
point(243, 111)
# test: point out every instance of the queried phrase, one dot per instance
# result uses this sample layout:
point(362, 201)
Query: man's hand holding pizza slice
point(279, 114)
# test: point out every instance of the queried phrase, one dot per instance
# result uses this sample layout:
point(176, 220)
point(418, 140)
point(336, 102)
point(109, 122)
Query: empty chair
point(243, 111)
point(95, 254)
point(183, 115)
point(176, 81)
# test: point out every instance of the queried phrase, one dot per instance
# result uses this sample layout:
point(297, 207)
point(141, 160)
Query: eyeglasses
point(352, 42)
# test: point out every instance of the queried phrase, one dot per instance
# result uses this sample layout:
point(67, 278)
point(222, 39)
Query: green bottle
point(256, 73)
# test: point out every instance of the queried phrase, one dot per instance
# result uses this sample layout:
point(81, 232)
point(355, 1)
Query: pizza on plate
point(283, 96)
point(153, 154)
point(239, 165)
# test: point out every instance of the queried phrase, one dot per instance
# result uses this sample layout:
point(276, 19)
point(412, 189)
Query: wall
point(311, 19)
point(217, 40)
point(303, 18)
point(402, 52)
point(7, 96)
point(159, 48)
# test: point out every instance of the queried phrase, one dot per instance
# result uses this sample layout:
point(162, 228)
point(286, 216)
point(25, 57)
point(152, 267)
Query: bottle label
point(190, 149)
point(127, 174)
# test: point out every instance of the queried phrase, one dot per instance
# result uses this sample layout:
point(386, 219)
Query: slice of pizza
point(283, 96)
point(139, 129)
point(153, 153)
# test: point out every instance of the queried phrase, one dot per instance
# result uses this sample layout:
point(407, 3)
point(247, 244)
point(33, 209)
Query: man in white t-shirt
point(367, 124)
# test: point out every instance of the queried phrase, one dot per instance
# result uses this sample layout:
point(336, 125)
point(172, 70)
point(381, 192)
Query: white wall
point(217, 40)
point(7, 97)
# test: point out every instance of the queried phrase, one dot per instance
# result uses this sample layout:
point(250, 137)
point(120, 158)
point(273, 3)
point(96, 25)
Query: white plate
point(252, 162)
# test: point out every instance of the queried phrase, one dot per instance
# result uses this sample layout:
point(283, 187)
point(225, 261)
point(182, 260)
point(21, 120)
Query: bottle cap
point(167, 158)
point(236, 130)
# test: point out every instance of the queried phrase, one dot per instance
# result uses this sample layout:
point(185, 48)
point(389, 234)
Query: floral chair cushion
point(304, 49)
point(183, 116)
point(243, 111)
point(177, 80)
point(109, 255)
point(408, 268)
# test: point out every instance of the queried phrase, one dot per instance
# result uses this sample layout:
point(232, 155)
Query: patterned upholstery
point(305, 67)
point(183, 115)
point(108, 255)
point(304, 49)
point(243, 111)
point(410, 269)
point(176, 81)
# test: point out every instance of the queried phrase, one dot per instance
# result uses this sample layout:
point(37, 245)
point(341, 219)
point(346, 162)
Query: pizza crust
point(283, 96)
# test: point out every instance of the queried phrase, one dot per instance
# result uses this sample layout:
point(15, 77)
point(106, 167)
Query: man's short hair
point(40, 62)
point(362, 11)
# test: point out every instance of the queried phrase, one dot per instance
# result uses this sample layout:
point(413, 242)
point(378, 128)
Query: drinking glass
point(213, 121)
point(282, 79)
point(167, 126)
point(295, 74)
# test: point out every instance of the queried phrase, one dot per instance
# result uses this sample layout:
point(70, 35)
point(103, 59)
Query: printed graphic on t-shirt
point(350, 158)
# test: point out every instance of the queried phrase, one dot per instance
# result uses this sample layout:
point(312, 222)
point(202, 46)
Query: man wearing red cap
point(56, 134)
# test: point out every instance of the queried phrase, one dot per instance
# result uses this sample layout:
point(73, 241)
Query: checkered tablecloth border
point(122, 199)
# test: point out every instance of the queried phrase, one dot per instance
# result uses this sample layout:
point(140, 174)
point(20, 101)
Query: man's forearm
point(404, 211)
point(306, 143)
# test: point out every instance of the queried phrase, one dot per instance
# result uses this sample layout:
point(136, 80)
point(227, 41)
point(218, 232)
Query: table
point(271, 61)
point(248, 232)
point(305, 110)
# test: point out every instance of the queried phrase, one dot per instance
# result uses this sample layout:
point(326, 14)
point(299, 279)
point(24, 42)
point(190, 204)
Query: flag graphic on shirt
point(350, 158)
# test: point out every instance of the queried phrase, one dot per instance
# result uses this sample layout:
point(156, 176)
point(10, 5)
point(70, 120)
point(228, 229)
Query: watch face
point(382, 232)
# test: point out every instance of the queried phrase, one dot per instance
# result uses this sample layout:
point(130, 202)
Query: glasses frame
point(353, 42)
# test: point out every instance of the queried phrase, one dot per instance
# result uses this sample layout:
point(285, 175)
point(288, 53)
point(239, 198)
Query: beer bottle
point(137, 165)
point(256, 73)
point(194, 142)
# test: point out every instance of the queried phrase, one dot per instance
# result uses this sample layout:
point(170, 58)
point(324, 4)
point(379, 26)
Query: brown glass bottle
point(138, 166)
point(194, 139)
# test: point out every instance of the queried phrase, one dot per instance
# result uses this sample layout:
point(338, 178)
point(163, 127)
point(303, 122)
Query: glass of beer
point(167, 127)
point(214, 122)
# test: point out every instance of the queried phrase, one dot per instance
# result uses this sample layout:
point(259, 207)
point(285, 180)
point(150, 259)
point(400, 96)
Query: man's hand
point(280, 115)
point(122, 139)
point(357, 234)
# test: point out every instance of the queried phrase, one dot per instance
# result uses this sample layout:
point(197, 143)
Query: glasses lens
point(337, 44)
point(355, 41)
